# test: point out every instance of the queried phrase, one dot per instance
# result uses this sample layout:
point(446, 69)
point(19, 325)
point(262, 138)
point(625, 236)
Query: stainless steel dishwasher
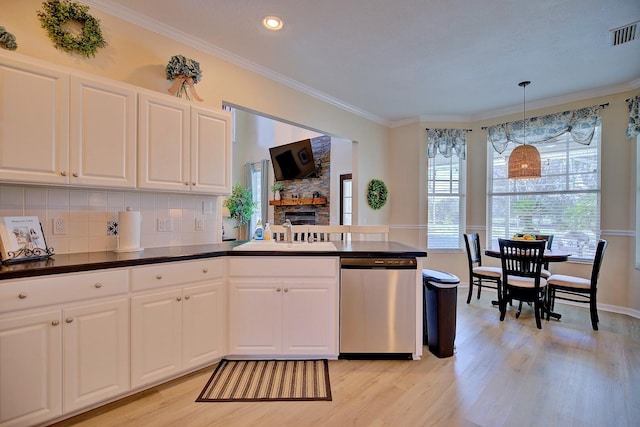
point(377, 307)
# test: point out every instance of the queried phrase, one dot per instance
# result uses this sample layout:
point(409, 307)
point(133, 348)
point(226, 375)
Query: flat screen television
point(293, 161)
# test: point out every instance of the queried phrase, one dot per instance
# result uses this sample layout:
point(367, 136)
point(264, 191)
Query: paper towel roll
point(129, 227)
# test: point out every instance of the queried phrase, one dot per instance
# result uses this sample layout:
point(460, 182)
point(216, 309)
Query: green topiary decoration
point(377, 194)
point(57, 13)
point(240, 204)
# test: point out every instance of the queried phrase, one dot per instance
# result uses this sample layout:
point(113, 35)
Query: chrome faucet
point(289, 227)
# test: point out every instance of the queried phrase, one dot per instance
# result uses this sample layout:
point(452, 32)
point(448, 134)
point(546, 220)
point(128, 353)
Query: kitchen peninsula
point(88, 328)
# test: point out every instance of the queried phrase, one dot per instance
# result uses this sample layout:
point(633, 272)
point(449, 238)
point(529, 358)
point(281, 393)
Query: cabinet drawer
point(175, 273)
point(283, 266)
point(61, 288)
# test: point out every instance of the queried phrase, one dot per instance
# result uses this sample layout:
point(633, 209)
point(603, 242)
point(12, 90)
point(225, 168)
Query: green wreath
point(8, 39)
point(377, 193)
point(57, 13)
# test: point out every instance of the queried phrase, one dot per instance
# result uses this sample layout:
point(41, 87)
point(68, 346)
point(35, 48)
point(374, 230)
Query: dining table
point(550, 255)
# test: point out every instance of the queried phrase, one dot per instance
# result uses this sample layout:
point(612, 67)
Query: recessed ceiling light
point(272, 22)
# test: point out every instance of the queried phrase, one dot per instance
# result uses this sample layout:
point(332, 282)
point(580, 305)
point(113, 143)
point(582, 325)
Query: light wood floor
point(503, 374)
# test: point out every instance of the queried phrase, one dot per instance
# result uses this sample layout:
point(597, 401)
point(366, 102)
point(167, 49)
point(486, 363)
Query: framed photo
point(304, 157)
point(21, 238)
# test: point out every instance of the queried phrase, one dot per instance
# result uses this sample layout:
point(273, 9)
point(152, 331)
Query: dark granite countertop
point(87, 261)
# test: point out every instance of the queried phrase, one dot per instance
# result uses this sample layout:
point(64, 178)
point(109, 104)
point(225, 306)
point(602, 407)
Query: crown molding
point(182, 37)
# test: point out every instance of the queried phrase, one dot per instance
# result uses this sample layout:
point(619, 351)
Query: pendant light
point(524, 161)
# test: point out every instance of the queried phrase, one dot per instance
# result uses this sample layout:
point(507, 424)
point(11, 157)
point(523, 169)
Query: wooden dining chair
point(521, 265)
point(545, 265)
point(578, 289)
point(479, 274)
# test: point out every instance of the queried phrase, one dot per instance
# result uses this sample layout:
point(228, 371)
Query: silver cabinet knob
point(193, 183)
point(286, 289)
point(22, 295)
point(187, 296)
point(98, 285)
point(186, 183)
point(179, 299)
point(278, 289)
point(63, 173)
point(69, 319)
point(75, 174)
point(159, 276)
point(55, 323)
point(205, 270)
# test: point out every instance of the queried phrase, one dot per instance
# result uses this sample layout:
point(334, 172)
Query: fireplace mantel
point(295, 202)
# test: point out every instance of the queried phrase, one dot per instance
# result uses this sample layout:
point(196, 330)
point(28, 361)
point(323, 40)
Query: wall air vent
point(625, 34)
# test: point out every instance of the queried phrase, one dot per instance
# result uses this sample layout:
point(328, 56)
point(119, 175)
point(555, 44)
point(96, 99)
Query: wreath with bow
point(183, 72)
point(377, 193)
point(56, 17)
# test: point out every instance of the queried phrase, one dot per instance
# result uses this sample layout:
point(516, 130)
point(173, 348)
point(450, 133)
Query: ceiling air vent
point(625, 34)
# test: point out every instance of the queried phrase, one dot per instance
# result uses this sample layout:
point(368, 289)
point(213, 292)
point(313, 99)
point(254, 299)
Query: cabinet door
point(163, 145)
point(96, 353)
point(103, 134)
point(203, 324)
point(310, 324)
point(30, 369)
point(255, 317)
point(210, 151)
point(156, 324)
point(34, 123)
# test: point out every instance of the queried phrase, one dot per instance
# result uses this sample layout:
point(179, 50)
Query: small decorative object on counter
point(183, 72)
point(57, 15)
point(7, 39)
point(21, 239)
point(377, 194)
point(267, 232)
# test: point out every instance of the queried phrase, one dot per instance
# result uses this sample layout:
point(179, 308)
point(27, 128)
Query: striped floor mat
point(268, 380)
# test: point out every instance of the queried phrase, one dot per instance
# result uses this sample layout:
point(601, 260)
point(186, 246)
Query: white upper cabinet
point(210, 150)
point(34, 123)
point(183, 147)
point(163, 144)
point(103, 134)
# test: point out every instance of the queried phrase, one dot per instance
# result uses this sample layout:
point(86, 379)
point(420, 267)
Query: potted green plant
point(276, 188)
point(241, 206)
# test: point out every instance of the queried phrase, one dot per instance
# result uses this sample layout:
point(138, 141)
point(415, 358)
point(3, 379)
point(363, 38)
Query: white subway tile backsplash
point(86, 213)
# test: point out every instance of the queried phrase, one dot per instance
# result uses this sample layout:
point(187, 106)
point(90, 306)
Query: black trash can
point(439, 311)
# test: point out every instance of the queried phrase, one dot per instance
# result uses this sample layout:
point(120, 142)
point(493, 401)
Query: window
point(564, 202)
point(346, 197)
point(445, 202)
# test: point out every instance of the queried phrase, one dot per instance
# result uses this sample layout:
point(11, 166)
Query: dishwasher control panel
point(388, 263)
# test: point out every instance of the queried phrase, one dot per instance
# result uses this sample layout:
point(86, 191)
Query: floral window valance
point(580, 123)
point(634, 117)
point(446, 142)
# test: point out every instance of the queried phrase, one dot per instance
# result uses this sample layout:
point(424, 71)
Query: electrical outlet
point(165, 224)
point(199, 224)
point(59, 226)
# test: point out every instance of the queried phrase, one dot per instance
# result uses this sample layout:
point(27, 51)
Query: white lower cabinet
point(96, 352)
point(60, 361)
point(30, 368)
point(179, 328)
point(281, 307)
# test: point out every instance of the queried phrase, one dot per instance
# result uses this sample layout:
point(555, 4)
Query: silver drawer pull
point(22, 295)
point(205, 270)
point(187, 296)
point(159, 276)
point(179, 299)
point(63, 173)
point(75, 174)
point(69, 319)
point(278, 289)
point(98, 285)
point(286, 289)
point(55, 323)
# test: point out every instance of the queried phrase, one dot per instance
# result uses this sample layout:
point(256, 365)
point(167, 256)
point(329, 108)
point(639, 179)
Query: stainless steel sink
point(270, 245)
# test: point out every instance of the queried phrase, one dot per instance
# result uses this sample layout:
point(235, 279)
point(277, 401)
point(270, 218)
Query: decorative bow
point(179, 85)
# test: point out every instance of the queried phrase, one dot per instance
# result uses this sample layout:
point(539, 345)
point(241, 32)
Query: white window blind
point(445, 202)
point(564, 202)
